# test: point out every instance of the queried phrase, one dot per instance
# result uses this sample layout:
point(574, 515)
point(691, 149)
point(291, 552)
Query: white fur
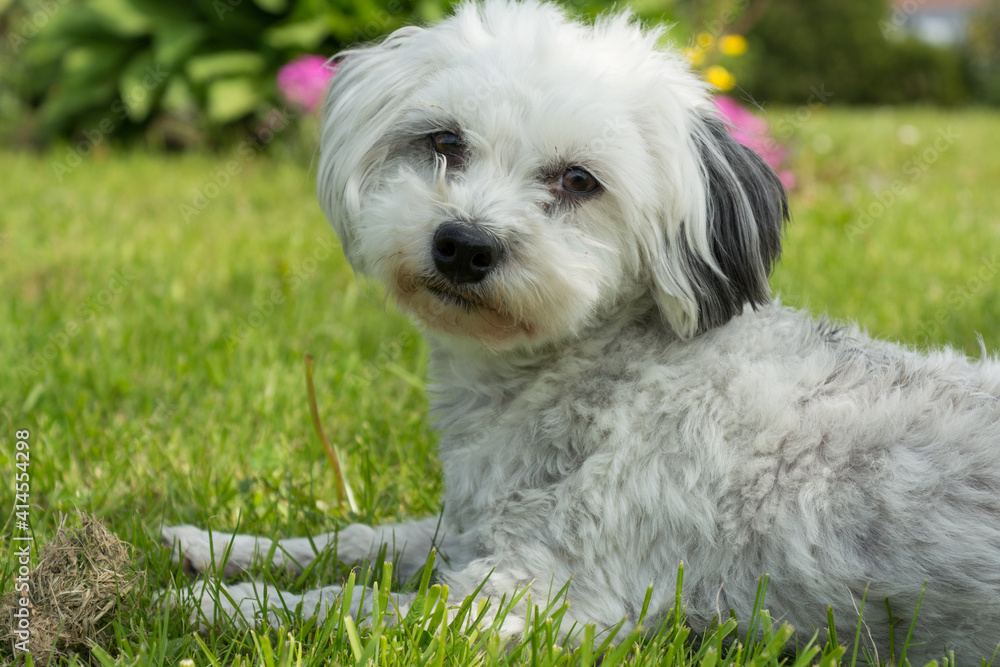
point(610, 401)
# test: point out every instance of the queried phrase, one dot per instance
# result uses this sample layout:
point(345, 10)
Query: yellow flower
point(704, 41)
point(694, 56)
point(720, 78)
point(733, 45)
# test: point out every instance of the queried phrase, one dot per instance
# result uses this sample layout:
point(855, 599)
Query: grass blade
point(857, 634)
point(343, 488)
point(913, 624)
point(352, 637)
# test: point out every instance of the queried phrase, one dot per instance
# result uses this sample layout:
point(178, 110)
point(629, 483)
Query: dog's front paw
point(209, 603)
point(201, 551)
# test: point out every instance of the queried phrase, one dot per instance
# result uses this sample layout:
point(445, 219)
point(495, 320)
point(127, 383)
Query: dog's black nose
point(464, 253)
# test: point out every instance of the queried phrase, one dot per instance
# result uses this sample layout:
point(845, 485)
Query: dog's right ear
point(363, 103)
point(719, 258)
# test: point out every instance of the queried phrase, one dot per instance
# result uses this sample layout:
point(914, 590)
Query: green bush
point(924, 73)
point(122, 66)
point(838, 45)
point(183, 73)
point(983, 53)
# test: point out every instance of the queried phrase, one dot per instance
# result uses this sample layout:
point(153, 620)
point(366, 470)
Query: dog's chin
point(463, 313)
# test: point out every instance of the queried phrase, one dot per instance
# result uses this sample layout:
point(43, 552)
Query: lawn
point(156, 310)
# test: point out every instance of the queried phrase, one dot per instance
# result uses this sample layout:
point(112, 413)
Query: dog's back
point(843, 467)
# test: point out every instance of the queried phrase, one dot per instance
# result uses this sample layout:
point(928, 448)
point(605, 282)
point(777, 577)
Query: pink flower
point(302, 82)
point(753, 132)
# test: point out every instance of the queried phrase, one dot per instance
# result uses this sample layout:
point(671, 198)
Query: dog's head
point(516, 177)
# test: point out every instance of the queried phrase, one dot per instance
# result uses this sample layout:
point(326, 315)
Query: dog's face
point(515, 178)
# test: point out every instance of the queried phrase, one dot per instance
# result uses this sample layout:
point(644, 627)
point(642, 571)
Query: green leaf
point(33, 396)
point(138, 89)
point(430, 11)
point(75, 22)
point(94, 63)
point(102, 656)
point(122, 17)
point(304, 35)
point(273, 6)
point(203, 69)
point(174, 42)
point(178, 98)
point(230, 99)
point(67, 104)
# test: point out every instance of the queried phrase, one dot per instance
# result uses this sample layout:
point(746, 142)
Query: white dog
point(559, 208)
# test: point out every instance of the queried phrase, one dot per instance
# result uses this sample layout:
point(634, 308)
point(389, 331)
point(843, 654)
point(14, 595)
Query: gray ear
point(747, 209)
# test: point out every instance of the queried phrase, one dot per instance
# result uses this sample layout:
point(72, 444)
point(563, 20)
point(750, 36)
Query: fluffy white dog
point(560, 209)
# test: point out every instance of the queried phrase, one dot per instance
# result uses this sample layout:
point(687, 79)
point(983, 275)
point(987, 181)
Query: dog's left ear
point(720, 255)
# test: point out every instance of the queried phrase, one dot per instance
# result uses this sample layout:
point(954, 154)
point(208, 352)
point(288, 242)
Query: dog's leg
point(501, 588)
point(407, 546)
point(214, 604)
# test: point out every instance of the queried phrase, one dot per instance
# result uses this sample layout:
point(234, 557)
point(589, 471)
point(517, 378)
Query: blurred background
point(176, 75)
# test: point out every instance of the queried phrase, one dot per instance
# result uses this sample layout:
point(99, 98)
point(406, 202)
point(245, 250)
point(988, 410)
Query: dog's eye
point(449, 145)
point(579, 181)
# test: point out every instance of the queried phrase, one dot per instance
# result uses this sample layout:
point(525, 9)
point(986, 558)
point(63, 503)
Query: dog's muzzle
point(465, 253)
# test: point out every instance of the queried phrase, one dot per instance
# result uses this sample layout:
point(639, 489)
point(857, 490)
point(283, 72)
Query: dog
point(559, 208)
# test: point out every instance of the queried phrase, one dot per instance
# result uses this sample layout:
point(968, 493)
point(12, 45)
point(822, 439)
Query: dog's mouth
point(469, 301)
point(452, 298)
point(476, 312)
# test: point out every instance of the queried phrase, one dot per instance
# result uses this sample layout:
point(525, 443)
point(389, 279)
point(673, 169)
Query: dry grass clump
point(83, 574)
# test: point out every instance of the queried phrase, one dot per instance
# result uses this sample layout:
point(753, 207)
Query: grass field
point(155, 312)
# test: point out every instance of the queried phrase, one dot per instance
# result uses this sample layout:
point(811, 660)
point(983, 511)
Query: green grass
point(158, 362)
